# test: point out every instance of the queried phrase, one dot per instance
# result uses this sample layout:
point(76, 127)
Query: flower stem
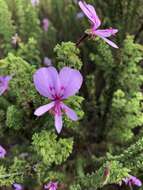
point(130, 185)
point(81, 39)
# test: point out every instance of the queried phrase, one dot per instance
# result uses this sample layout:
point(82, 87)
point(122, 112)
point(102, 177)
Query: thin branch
point(81, 39)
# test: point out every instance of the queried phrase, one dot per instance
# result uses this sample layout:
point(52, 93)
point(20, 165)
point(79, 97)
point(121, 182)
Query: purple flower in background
point(17, 186)
point(2, 152)
point(45, 23)
point(35, 2)
point(51, 186)
point(4, 81)
point(75, 1)
point(132, 180)
point(47, 61)
point(15, 39)
point(90, 12)
point(80, 15)
point(57, 87)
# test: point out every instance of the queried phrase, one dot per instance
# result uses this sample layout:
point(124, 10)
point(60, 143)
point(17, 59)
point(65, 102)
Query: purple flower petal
point(71, 81)
point(69, 112)
point(51, 186)
point(109, 42)
point(90, 12)
point(17, 186)
point(34, 2)
point(46, 81)
point(132, 180)
point(106, 32)
point(2, 152)
point(58, 122)
point(43, 109)
point(45, 24)
point(138, 183)
point(47, 61)
point(4, 82)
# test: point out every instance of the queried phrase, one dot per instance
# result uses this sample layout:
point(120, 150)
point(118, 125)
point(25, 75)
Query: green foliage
point(126, 101)
point(6, 27)
point(131, 76)
point(27, 21)
point(14, 173)
point(131, 157)
point(50, 149)
point(67, 55)
point(3, 177)
point(110, 173)
point(21, 73)
point(131, 116)
point(17, 170)
point(103, 54)
point(4, 103)
point(29, 52)
point(49, 41)
point(14, 117)
point(75, 187)
point(76, 104)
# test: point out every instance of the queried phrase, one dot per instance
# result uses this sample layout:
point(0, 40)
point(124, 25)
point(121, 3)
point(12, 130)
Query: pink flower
point(17, 186)
point(47, 61)
point(34, 2)
point(51, 186)
point(45, 23)
point(2, 152)
point(91, 14)
point(132, 180)
point(4, 81)
point(57, 87)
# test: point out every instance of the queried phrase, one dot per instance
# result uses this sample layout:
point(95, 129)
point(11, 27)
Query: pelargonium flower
point(34, 2)
point(51, 186)
point(132, 180)
point(4, 81)
point(17, 186)
point(2, 152)
point(91, 14)
point(45, 23)
point(47, 61)
point(57, 87)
